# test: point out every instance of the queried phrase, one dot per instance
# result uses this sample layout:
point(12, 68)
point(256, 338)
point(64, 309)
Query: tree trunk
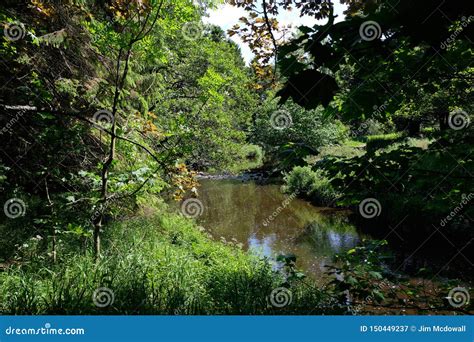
point(97, 227)
point(104, 189)
point(120, 78)
point(54, 246)
point(414, 128)
point(443, 121)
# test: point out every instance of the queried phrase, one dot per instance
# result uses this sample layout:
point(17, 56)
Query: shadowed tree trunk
point(443, 121)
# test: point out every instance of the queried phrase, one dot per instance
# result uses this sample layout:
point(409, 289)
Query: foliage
point(250, 157)
point(314, 185)
point(107, 106)
point(348, 149)
point(414, 57)
point(156, 265)
point(304, 133)
point(103, 101)
point(415, 186)
point(370, 127)
point(359, 272)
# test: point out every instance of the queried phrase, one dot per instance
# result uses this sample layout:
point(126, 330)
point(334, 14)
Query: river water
point(267, 222)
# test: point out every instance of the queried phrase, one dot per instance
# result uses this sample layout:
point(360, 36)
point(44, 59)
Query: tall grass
point(375, 142)
point(157, 265)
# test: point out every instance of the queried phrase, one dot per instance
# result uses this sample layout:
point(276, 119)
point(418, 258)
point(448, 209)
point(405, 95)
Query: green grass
point(354, 143)
point(376, 142)
point(157, 265)
point(349, 149)
point(422, 143)
point(388, 136)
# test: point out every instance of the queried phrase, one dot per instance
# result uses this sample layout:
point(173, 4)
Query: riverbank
point(412, 254)
point(164, 264)
point(403, 190)
point(159, 264)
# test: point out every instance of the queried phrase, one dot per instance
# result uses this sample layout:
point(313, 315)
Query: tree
point(108, 100)
point(375, 61)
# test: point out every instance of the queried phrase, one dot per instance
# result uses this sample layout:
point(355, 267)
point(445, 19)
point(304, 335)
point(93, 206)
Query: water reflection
point(240, 211)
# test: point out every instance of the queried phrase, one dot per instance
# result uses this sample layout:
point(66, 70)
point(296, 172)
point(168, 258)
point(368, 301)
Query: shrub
point(314, 185)
point(370, 127)
point(251, 154)
point(307, 128)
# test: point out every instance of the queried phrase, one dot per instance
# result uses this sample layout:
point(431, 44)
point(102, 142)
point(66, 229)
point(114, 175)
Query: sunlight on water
point(270, 223)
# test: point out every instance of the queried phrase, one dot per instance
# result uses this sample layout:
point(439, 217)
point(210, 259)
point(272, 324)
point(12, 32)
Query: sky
point(227, 16)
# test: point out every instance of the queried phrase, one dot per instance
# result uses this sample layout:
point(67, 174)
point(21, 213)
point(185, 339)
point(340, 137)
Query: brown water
point(269, 223)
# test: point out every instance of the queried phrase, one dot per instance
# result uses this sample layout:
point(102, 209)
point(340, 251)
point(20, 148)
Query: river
point(268, 223)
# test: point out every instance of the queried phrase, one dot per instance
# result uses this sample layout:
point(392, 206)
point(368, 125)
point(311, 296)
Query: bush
point(369, 127)
point(314, 185)
point(250, 157)
point(311, 129)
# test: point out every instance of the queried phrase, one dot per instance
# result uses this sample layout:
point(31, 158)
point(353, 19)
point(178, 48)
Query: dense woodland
point(111, 109)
